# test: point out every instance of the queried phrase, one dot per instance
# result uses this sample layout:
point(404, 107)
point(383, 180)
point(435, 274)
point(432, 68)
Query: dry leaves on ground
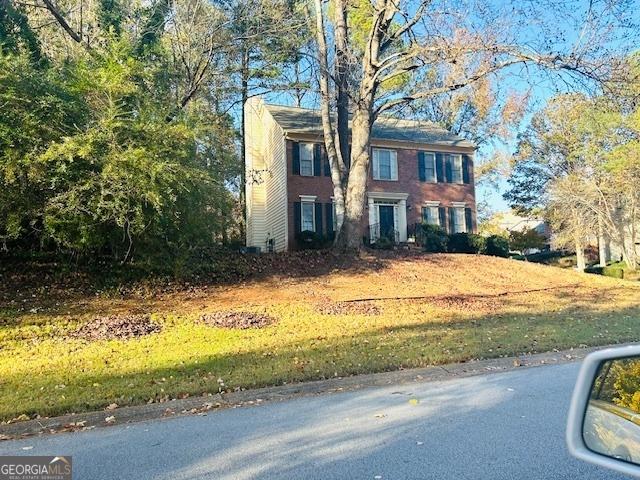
point(242, 320)
point(349, 308)
point(120, 327)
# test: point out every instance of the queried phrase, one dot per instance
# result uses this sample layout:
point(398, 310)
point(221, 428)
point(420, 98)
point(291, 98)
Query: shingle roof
point(306, 121)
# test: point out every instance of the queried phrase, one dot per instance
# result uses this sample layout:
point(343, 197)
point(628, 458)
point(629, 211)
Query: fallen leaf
point(111, 406)
point(414, 401)
point(110, 419)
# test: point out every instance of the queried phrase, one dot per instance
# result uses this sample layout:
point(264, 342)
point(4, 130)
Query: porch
point(387, 217)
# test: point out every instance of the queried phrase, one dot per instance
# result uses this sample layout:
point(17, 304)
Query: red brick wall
point(408, 182)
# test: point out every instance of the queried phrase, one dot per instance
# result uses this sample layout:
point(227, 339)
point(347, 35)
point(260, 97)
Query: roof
point(297, 120)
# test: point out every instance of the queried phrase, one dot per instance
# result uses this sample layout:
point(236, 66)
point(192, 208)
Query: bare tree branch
point(75, 36)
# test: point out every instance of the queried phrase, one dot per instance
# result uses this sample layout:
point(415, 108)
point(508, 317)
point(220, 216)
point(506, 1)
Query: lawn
point(377, 314)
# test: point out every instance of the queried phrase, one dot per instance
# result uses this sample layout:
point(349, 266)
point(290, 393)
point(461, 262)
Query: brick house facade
point(419, 173)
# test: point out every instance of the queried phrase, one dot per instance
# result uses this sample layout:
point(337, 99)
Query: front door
point(387, 224)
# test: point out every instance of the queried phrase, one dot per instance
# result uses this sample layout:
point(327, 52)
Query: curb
point(204, 404)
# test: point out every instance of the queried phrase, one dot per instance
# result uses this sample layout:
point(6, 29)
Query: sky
point(545, 30)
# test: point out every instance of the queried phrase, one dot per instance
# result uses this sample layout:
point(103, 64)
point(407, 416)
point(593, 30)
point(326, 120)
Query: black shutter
point(466, 164)
point(440, 167)
point(318, 207)
point(452, 220)
point(297, 217)
point(425, 218)
point(316, 160)
point(295, 153)
point(468, 217)
point(448, 168)
point(442, 213)
point(422, 174)
point(325, 162)
point(329, 216)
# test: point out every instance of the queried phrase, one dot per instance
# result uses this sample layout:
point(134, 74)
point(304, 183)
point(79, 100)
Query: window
point(306, 159)
point(385, 165)
point(459, 224)
point(430, 167)
point(308, 221)
point(430, 215)
point(456, 168)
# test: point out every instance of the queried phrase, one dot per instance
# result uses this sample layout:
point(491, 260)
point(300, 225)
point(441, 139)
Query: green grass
point(42, 372)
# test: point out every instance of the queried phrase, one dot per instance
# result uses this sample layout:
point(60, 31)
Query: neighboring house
point(515, 223)
point(419, 172)
point(512, 222)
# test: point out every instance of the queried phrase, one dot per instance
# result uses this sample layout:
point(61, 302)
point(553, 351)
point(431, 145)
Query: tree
point(116, 147)
point(527, 239)
point(38, 107)
point(266, 37)
point(412, 41)
point(551, 175)
point(492, 225)
point(578, 162)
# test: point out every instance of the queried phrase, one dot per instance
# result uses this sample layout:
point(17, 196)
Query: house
point(512, 222)
point(419, 173)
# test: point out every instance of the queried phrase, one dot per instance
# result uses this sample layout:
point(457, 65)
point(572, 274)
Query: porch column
point(402, 219)
point(372, 216)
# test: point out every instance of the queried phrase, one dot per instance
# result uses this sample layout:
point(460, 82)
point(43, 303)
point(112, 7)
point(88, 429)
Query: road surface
point(495, 426)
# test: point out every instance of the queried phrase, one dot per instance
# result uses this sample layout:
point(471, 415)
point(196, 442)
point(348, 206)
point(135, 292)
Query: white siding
point(265, 162)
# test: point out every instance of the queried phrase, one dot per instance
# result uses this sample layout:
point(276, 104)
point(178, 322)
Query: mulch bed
point(349, 308)
point(120, 327)
point(241, 320)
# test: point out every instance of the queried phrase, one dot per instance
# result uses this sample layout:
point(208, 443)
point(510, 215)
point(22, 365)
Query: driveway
point(495, 426)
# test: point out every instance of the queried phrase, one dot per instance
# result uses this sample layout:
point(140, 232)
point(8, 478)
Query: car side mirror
point(604, 418)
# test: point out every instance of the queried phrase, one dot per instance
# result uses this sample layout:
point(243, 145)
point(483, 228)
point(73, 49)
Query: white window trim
point(435, 170)
point(453, 156)
point(432, 204)
point(313, 214)
point(459, 206)
point(376, 165)
point(300, 144)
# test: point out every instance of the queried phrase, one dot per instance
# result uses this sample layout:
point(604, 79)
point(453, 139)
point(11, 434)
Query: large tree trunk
point(351, 238)
point(338, 169)
point(350, 178)
point(342, 81)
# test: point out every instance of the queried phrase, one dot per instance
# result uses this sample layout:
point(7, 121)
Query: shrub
point(478, 243)
point(310, 240)
point(497, 245)
point(465, 243)
point(615, 271)
point(434, 238)
point(546, 256)
point(383, 243)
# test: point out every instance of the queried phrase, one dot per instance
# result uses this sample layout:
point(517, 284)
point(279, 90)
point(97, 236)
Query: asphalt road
point(496, 426)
